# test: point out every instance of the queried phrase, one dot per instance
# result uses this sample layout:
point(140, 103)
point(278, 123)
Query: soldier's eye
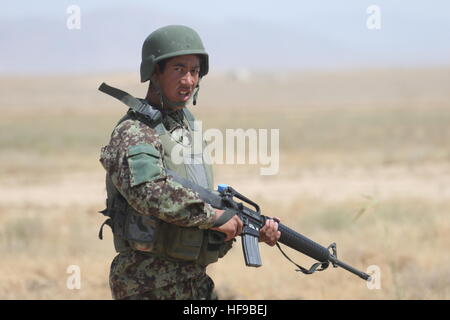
point(178, 68)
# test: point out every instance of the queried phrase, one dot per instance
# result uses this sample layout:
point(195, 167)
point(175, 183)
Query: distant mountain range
point(111, 40)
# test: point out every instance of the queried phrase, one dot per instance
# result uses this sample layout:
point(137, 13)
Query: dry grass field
point(364, 162)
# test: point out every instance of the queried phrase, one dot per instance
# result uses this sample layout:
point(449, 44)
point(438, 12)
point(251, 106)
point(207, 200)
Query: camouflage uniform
point(161, 229)
point(137, 274)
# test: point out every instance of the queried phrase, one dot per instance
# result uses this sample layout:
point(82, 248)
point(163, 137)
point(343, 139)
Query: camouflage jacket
point(134, 272)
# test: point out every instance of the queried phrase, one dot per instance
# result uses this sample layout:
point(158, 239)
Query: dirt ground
point(364, 162)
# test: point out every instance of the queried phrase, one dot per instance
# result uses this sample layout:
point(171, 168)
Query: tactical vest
point(134, 231)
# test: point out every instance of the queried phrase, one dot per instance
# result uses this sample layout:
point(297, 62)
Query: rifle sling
point(311, 270)
point(227, 215)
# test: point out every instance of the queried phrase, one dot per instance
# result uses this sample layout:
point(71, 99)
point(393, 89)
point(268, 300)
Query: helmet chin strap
point(195, 95)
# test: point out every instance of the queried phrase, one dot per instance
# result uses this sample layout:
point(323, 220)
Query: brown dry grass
point(365, 162)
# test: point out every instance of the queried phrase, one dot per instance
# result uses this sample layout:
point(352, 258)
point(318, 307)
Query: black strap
point(206, 195)
point(138, 108)
point(123, 96)
point(311, 270)
point(100, 232)
point(227, 215)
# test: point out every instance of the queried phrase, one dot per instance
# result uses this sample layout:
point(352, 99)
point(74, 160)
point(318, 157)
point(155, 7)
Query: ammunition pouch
point(214, 247)
point(192, 244)
point(180, 243)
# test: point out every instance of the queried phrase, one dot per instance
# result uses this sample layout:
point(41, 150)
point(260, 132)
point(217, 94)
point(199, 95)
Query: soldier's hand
point(269, 233)
point(232, 228)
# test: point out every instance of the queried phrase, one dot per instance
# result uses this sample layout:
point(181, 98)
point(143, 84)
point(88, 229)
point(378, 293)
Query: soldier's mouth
point(184, 93)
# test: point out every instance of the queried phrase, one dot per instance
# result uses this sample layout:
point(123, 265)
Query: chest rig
point(134, 231)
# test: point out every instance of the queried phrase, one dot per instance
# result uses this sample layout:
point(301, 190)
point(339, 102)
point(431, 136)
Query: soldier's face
point(179, 77)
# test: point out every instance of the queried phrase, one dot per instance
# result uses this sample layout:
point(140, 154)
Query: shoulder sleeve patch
point(144, 163)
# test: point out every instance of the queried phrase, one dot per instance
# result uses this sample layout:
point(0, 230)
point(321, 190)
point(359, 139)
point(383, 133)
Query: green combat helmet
point(168, 42)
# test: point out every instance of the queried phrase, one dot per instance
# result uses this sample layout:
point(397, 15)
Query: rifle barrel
point(347, 267)
point(312, 249)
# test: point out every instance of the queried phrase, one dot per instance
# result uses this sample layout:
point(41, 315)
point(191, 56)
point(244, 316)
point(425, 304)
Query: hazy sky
point(304, 33)
point(270, 10)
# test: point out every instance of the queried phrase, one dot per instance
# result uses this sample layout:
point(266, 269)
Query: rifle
point(253, 220)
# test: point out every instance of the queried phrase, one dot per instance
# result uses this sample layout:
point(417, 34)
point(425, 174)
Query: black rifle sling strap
point(138, 108)
point(311, 270)
point(126, 98)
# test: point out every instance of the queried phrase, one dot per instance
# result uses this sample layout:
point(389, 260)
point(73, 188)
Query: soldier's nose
point(188, 79)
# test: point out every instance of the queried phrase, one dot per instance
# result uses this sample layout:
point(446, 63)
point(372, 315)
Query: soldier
point(165, 235)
